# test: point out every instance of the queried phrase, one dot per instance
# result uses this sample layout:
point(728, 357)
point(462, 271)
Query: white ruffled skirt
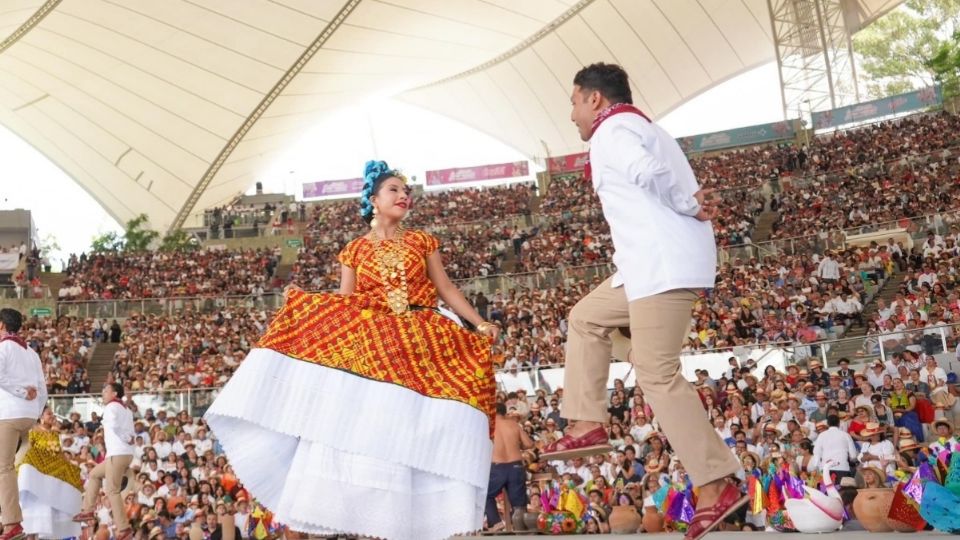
point(330, 452)
point(48, 504)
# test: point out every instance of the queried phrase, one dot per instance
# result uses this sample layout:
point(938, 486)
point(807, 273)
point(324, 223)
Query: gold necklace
point(390, 255)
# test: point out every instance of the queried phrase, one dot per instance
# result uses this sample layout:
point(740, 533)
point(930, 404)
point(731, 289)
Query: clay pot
point(530, 520)
point(624, 520)
point(652, 520)
point(519, 521)
point(872, 506)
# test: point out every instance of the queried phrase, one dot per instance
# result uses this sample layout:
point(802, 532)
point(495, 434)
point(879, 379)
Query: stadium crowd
point(878, 173)
point(209, 272)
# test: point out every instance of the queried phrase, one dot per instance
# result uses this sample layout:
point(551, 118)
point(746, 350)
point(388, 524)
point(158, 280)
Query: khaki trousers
point(108, 475)
point(14, 434)
point(657, 325)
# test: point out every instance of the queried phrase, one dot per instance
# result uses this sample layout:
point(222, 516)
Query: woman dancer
point(50, 485)
point(368, 412)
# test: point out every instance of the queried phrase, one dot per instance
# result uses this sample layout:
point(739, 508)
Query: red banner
point(568, 163)
point(477, 174)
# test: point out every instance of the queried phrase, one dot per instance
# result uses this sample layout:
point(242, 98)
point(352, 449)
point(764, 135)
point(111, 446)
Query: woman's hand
point(289, 289)
point(489, 329)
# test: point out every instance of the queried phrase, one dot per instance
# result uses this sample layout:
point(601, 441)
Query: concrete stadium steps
point(101, 364)
point(283, 272)
point(54, 280)
point(854, 349)
point(764, 226)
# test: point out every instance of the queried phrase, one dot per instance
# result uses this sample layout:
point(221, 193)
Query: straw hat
point(752, 455)
point(880, 474)
point(871, 429)
point(155, 532)
point(907, 443)
point(944, 422)
point(778, 395)
point(651, 435)
point(821, 426)
point(815, 364)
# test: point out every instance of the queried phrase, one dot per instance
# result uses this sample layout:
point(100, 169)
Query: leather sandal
point(596, 441)
point(707, 519)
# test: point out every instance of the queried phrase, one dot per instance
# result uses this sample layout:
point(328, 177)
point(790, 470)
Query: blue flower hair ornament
point(373, 173)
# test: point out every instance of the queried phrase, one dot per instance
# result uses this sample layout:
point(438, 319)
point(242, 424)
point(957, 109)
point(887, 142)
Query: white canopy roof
point(169, 107)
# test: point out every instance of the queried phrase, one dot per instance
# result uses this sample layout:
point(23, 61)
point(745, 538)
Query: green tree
point(179, 241)
point(893, 52)
point(137, 237)
point(945, 65)
point(49, 244)
point(107, 242)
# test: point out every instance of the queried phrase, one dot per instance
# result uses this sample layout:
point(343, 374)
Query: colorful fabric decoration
point(905, 510)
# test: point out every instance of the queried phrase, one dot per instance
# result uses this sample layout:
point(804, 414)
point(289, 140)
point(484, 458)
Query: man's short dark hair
point(117, 388)
point(12, 320)
point(609, 79)
point(833, 420)
point(501, 409)
point(512, 395)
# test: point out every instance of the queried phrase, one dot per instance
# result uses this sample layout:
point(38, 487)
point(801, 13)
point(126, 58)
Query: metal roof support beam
point(29, 24)
point(261, 108)
point(814, 55)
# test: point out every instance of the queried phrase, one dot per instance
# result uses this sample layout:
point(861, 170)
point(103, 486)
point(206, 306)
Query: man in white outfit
point(23, 393)
point(118, 435)
point(665, 256)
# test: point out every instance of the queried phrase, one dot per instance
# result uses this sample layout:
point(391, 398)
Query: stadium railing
point(937, 341)
point(118, 309)
point(27, 292)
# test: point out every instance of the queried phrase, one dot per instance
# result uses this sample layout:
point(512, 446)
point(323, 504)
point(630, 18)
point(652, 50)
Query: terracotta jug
point(872, 506)
point(530, 520)
point(624, 520)
point(652, 520)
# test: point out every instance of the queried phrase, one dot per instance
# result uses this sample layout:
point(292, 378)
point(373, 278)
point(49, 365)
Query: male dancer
point(665, 255)
point(118, 435)
point(23, 393)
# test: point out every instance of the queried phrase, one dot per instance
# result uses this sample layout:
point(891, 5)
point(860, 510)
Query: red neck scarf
point(14, 338)
point(617, 108)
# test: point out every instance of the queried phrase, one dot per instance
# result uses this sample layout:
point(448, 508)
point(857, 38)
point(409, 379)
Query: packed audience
point(863, 197)
point(156, 274)
point(64, 345)
point(180, 478)
point(889, 413)
point(190, 350)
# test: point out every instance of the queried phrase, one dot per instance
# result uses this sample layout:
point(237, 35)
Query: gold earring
point(373, 222)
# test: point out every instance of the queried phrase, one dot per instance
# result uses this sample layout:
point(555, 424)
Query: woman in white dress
point(50, 485)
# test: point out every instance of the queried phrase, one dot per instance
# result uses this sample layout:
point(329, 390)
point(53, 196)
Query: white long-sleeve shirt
point(118, 431)
point(20, 368)
point(829, 269)
point(834, 448)
point(646, 188)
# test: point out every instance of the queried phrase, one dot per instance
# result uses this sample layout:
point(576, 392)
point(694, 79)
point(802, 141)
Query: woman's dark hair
point(609, 79)
point(375, 173)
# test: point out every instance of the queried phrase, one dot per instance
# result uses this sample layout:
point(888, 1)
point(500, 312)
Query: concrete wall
point(288, 253)
point(24, 306)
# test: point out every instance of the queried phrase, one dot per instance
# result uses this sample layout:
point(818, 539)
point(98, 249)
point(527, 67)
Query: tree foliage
point(136, 237)
point(108, 242)
point(893, 53)
point(179, 241)
point(945, 65)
